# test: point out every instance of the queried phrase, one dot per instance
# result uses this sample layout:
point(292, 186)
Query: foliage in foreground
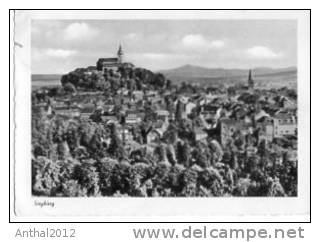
point(109, 177)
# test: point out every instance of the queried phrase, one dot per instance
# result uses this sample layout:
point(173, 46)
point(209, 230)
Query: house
point(292, 155)
point(229, 126)
point(66, 111)
point(153, 136)
point(284, 124)
point(108, 107)
point(126, 101)
point(189, 106)
point(156, 100)
point(125, 134)
point(87, 110)
point(138, 95)
point(287, 103)
point(251, 150)
point(132, 118)
point(208, 116)
point(109, 119)
point(171, 116)
point(184, 99)
point(266, 129)
point(95, 94)
point(206, 99)
point(206, 124)
point(151, 93)
point(162, 114)
point(209, 97)
point(41, 107)
point(57, 104)
point(161, 126)
point(201, 101)
point(200, 134)
point(123, 91)
point(239, 113)
point(260, 115)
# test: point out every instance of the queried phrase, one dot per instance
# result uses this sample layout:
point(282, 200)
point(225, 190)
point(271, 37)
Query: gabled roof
point(87, 108)
point(233, 122)
point(199, 131)
point(283, 116)
point(261, 114)
point(157, 131)
point(113, 59)
point(162, 112)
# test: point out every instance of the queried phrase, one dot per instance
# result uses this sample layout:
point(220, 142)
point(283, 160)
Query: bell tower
point(250, 80)
point(120, 54)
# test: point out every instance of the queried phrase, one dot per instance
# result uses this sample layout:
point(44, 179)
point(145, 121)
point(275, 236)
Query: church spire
point(120, 54)
point(250, 80)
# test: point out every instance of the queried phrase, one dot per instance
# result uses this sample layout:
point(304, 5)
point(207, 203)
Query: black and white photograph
point(160, 107)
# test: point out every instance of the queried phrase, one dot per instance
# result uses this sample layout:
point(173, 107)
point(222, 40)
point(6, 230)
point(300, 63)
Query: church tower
point(120, 54)
point(250, 80)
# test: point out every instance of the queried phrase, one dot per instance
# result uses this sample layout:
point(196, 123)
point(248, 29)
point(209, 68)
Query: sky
point(60, 46)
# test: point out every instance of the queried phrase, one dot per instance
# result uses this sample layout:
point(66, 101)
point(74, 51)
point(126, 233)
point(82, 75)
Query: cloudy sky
point(59, 46)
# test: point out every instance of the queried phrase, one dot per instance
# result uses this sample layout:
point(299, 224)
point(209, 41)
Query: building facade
point(284, 124)
point(113, 63)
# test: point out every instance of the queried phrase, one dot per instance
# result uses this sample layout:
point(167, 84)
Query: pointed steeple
point(120, 54)
point(250, 80)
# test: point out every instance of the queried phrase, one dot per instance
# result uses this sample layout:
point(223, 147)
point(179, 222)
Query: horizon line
point(159, 70)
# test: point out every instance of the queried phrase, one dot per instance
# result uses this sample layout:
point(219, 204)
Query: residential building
point(200, 134)
point(153, 136)
point(138, 95)
point(132, 118)
point(229, 126)
point(109, 119)
point(189, 106)
point(87, 110)
point(66, 111)
point(162, 114)
point(125, 134)
point(266, 129)
point(284, 124)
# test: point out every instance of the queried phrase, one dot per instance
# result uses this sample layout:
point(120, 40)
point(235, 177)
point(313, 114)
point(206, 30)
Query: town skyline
point(123, 131)
point(63, 45)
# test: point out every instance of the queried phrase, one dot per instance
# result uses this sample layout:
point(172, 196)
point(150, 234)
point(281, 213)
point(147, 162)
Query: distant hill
point(203, 72)
point(44, 77)
point(203, 75)
point(41, 80)
point(263, 76)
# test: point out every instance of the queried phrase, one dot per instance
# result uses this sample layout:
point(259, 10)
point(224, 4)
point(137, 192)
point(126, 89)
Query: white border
point(240, 209)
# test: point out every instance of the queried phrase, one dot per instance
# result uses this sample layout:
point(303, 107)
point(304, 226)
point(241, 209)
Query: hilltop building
point(113, 62)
